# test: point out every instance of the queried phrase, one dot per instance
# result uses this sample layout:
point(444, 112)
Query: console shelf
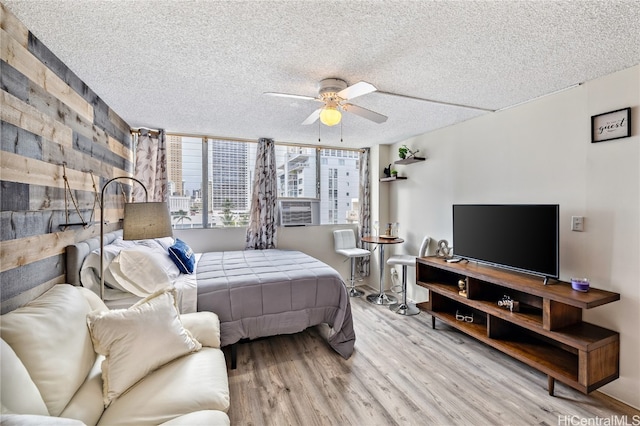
point(547, 333)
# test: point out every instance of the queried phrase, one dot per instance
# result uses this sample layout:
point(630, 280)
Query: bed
point(255, 293)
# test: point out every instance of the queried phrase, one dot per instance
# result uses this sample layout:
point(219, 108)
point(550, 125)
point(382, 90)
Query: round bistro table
point(381, 298)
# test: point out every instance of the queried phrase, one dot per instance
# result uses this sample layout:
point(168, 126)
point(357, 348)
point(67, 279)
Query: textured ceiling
point(201, 67)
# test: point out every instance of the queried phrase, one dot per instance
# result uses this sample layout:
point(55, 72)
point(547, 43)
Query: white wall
point(540, 152)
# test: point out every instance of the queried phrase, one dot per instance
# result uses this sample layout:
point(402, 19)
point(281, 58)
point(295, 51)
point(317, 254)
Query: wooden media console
point(547, 333)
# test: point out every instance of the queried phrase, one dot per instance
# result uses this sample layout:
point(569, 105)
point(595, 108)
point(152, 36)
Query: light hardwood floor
point(402, 373)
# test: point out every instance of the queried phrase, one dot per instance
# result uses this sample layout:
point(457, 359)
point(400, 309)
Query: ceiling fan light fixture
point(330, 116)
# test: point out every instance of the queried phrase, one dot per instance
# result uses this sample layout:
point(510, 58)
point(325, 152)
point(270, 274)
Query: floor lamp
point(141, 221)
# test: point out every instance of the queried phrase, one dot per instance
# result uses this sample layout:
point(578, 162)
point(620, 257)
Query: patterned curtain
point(261, 233)
point(151, 166)
point(364, 215)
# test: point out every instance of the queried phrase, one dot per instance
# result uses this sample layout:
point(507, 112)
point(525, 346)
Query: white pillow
point(138, 340)
point(166, 242)
point(115, 287)
point(111, 250)
point(90, 270)
point(162, 243)
point(142, 271)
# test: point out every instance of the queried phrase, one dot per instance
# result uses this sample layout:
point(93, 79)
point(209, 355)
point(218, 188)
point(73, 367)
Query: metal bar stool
point(345, 244)
point(405, 260)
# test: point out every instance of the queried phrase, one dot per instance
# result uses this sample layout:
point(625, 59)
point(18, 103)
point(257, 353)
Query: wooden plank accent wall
point(19, 57)
point(50, 117)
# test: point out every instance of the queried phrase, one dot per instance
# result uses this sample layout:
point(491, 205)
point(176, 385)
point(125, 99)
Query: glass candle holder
point(580, 284)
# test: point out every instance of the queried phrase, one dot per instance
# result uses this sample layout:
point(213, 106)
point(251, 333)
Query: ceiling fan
point(335, 93)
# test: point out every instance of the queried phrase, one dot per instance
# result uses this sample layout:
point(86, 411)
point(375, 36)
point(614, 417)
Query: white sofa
point(51, 373)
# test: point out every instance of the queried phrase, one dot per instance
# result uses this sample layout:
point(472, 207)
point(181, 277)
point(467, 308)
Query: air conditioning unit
point(299, 211)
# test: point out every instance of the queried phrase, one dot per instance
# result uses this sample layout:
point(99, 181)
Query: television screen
point(520, 237)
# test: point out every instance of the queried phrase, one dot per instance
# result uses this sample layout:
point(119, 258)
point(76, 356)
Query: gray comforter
point(258, 293)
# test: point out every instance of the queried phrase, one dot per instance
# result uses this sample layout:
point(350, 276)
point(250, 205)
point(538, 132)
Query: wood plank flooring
point(402, 373)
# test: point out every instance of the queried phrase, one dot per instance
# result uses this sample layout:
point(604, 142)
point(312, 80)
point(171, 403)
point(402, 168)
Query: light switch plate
point(577, 223)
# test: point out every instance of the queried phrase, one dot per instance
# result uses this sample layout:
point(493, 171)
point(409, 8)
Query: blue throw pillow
point(182, 256)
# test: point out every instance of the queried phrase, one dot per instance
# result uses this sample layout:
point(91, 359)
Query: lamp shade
point(330, 116)
point(146, 220)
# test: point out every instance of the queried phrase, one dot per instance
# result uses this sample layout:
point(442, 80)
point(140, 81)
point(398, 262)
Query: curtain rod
point(140, 129)
point(194, 135)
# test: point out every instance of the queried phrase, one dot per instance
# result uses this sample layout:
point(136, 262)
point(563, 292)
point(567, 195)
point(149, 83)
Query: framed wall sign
point(611, 125)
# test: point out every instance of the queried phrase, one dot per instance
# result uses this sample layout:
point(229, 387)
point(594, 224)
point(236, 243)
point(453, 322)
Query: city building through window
point(218, 174)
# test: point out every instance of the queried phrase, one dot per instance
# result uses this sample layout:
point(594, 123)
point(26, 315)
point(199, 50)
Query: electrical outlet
point(577, 223)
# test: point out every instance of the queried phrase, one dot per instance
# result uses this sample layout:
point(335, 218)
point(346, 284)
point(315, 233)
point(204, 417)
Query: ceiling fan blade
point(313, 117)
point(365, 113)
point(355, 90)
point(287, 95)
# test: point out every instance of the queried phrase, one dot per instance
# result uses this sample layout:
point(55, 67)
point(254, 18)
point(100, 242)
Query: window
point(229, 165)
point(296, 169)
point(340, 171)
point(229, 182)
point(302, 172)
point(184, 161)
point(325, 181)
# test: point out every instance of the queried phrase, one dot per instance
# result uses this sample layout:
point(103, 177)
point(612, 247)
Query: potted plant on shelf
point(405, 152)
point(394, 173)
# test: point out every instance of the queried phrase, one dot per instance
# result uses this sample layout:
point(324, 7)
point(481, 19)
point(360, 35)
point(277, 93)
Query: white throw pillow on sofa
point(138, 340)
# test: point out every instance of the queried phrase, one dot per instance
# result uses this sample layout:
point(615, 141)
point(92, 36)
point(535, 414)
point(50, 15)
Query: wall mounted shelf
point(389, 179)
point(410, 160)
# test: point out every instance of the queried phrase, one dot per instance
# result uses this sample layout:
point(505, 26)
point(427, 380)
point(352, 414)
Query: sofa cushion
point(138, 340)
point(51, 338)
point(36, 420)
point(204, 327)
point(94, 300)
point(201, 418)
point(191, 383)
point(19, 393)
point(86, 405)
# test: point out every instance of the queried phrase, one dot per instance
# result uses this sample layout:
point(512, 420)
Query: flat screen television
point(522, 237)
